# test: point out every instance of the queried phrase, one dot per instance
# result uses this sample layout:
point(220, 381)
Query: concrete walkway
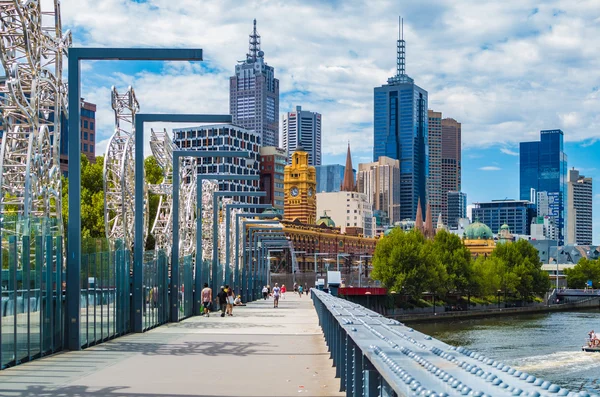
point(260, 351)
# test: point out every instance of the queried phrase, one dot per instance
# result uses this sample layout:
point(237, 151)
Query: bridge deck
point(259, 351)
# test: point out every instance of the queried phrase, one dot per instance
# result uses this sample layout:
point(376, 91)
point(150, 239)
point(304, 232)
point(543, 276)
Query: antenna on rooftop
point(401, 58)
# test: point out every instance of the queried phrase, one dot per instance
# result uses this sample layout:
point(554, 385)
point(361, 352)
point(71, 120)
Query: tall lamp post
point(318, 254)
point(360, 261)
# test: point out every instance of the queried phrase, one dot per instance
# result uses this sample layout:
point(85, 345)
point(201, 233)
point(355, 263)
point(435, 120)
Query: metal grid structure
point(119, 172)
point(33, 100)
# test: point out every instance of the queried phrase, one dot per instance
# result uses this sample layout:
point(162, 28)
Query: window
point(91, 137)
point(91, 125)
point(347, 211)
point(85, 147)
point(85, 124)
point(92, 148)
point(85, 135)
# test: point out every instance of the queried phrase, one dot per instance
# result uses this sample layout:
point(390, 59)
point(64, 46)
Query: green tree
point(524, 276)
point(154, 176)
point(451, 252)
point(586, 269)
point(404, 262)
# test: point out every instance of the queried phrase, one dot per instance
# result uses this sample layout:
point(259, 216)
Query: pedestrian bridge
point(264, 351)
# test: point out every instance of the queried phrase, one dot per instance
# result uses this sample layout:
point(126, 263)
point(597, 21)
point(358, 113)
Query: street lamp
point(319, 254)
point(498, 297)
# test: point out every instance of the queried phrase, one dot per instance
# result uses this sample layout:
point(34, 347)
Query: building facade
point(543, 167)
point(456, 208)
point(254, 94)
point(451, 163)
point(380, 182)
point(272, 166)
point(300, 183)
point(401, 133)
point(349, 210)
point(579, 210)
point(329, 177)
point(434, 183)
point(230, 138)
point(517, 214)
point(302, 128)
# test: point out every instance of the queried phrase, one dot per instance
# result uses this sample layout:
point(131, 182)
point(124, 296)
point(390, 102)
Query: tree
point(404, 261)
point(154, 176)
point(451, 252)
point(586, 269)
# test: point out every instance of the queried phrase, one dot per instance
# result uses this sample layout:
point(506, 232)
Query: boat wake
point(565, 361)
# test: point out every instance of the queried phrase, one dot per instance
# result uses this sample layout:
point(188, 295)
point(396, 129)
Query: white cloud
point(490, 168)
point(505, 70)
point(509, 152)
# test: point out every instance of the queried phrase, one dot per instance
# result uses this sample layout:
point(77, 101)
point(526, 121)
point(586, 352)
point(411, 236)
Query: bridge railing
point(377, 356)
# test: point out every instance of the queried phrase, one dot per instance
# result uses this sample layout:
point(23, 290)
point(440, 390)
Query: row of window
point(87, 148)
point(85, 124)
point(85, 136)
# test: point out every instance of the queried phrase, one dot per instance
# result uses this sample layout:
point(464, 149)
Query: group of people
point(594, 341)
point(276, 293)
point(225, 297)
point(300, 289)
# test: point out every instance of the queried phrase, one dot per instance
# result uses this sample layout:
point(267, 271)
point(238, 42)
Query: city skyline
point(476, 68)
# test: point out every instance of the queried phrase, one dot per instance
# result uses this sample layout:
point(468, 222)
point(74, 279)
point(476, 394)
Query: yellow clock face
point(294, 191)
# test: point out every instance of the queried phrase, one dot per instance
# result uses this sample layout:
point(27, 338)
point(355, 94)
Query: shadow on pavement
point(84, 391)
point(206, 348)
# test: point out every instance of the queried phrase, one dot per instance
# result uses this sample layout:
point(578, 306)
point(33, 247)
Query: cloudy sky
point(505, 69)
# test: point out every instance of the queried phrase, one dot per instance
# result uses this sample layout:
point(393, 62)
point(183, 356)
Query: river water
point(545, 345)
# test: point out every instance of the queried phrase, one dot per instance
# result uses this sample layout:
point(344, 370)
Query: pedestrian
point(230, 300)
point(222, 297)
point(283, 291)
point(265, 292)
point(206, 299)
point(300, 291)
point(305, 288)
point(295, 287)
point(276, 292)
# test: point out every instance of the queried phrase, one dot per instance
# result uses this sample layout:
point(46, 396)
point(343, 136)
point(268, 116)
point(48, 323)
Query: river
point(545, 345)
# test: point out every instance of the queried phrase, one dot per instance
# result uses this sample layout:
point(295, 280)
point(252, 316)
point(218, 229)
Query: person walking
point(230, 300)
point(295, 287)
point(306, 288)
point(206, 299)
point(222, 297)
point(283, 291)
point(276, 293)
point(300, 291)
point(265, 292)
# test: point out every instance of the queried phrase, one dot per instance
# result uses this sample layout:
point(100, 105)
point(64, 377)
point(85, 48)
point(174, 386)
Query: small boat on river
point(591, 345)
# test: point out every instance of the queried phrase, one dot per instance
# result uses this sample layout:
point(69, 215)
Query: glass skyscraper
point(400, 132)
point(543, 167)
point(330, 177)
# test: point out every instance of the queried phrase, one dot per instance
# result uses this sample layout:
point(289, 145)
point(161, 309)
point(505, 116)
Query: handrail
point(377, 356)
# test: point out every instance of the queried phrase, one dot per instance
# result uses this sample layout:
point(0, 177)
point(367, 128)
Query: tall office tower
point(434, 184)
point(230, 138)
point(272, 165)
point(579, 210)
point(451, 163)
point(400, 132)
point(543, 167)
point(380, 181)
point(457, 208)
point(329, 177)
point(302, 128)
point(254, 94)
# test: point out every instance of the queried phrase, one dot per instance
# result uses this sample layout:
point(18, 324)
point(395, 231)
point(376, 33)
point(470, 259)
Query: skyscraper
point(543, 167)
point(579, 210)
point(329, 177)
point(303, 128)
point(434, 184)
point(400, 132)
point(254, 94)
point(456, 209)
point(451, 163)
point(380, 181)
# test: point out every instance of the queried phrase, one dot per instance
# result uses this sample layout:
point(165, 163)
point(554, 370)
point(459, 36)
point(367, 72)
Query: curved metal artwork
point(119, 172)
point(208, 189)
point(33, 99)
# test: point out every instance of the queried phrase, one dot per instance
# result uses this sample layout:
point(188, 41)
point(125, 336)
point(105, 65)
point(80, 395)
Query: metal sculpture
point(33, 99)
point(119, 172)
point(209, 187)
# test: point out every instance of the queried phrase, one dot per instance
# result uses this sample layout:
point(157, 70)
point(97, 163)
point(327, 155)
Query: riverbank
point(590, 304)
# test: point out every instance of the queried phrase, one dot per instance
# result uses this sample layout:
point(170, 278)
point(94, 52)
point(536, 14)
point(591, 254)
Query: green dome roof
point(478, 231)
point(504, 227)
point(326, 221)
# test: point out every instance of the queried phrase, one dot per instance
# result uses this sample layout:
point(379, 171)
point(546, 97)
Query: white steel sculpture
point(32, 99)
point(208, 189)
point(119, 172)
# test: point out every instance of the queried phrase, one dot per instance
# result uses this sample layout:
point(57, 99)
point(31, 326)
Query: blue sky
point(504, 69)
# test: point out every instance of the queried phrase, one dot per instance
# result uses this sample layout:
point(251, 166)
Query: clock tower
point(300, 182)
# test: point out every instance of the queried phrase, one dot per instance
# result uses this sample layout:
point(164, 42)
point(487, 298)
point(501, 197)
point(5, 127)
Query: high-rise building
point(303, 128)
point(451, 163)
point(300, 182)
point(517, 214)
point(230, 138)
point(329, 177)
point(380, 181)
point(400, 132)
point(579, 209)
point(434, 183)
point(272, 165)
point(456, 209)
point(543, 167)
point(254, 94)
